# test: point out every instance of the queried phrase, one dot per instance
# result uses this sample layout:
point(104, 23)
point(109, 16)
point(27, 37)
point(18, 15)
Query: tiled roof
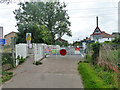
point(60, 39)
point(106, 35)
point(9, 33)
point(87, 39)
point(95, 31)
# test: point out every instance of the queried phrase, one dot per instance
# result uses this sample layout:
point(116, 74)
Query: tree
point(116, 40)
point(40, 18)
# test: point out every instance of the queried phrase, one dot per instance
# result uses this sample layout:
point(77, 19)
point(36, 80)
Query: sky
point(82, 17)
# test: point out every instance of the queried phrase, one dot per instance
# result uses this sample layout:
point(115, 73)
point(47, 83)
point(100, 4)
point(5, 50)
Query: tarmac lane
point(55, 72)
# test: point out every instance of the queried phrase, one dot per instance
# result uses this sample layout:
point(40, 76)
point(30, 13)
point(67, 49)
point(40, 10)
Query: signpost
point(2, 41)
point(28, 39)
point(1, 32)
point(53, 51)
point(63, 52)
point(28, 36)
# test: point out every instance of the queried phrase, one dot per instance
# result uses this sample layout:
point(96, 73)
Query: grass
point(90, 77)
point(109, 77)
point(37, 63)
point(6, 76)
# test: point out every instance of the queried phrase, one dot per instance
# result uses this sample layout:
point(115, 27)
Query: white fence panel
point(38, 51)
point(21, 51)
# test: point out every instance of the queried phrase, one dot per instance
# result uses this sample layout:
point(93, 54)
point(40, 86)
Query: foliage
point(37, 63)
point(61, 43)
point(43, 20)
point(110, 77)
point(107, 42)
point(88, 57)
point(96, 77)
point(116, 40)
point(95, 48)
point(7, 59)
point(6, 75)
point(89, 77)
point(21, 59)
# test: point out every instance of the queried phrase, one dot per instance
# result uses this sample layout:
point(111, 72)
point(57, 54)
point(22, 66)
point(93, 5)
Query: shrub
point(21, 60)
point(95, 55)
point(6, 75)
point(6, 59)
point(37, 63)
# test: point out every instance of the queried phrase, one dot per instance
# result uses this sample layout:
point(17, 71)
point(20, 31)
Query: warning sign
point(53, 51)
point(28, 36)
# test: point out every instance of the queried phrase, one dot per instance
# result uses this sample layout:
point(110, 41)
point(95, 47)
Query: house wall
point(8, 38)
point(104, 39)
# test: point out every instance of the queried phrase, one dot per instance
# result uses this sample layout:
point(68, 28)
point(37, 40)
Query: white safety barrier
point(39, 51)
point(21, 51)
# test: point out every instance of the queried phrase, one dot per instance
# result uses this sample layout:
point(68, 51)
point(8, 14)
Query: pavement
point(55, 72)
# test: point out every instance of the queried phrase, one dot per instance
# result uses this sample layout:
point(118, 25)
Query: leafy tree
point(43, 20)
point(61, 43)
point(116, 40)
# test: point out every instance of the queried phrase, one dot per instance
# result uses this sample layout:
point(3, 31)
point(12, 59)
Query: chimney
point(97, 20)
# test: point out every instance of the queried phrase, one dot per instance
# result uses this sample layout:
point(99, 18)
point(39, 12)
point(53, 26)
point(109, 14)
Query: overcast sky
point(82, 17)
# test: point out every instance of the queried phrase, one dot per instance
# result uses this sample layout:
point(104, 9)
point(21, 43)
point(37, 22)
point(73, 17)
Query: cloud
point(82, 17)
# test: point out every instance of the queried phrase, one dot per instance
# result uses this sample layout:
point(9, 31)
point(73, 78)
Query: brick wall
point(8, 38)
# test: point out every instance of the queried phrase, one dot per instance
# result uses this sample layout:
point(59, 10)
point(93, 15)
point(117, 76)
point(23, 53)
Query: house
point(61, 40)
point(116, 34)
point(8, 37)
point(100, 36)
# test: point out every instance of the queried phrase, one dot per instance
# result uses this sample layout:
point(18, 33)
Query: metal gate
point(69, 50)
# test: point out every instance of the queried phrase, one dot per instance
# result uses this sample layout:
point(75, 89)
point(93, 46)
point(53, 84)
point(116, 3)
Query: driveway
point(55, 72)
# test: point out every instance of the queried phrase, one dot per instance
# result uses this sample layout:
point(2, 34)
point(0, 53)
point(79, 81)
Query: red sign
point(82, 47)
point(77, 49)
point(63, 52)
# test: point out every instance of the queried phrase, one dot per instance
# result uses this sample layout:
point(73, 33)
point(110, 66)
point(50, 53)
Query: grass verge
point(6, 76)
point(89, 77)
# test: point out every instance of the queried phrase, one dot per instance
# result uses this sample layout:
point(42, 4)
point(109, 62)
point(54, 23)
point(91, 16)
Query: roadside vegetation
point(102, 71)
point(96, 77)
point(8, 63)
point(5, 76)
point(37, 63)
point(20, 60)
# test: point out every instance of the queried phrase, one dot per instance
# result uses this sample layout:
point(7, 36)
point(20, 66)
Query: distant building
point(116, 34)
point(100, 36)
point(61, 40)
point(8, 37)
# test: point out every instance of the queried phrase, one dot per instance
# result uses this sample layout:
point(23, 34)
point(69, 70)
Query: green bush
point(21, 60)
point(37, 63)
point(95, 55)
point(88, 57)
point(7, 59)
point(6, 75)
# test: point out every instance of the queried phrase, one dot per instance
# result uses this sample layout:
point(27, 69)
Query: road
point(55, 72)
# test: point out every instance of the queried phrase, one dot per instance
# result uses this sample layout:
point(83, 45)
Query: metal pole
point(13, 56)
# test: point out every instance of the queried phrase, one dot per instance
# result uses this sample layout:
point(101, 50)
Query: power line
point(104, 8)
point(88, 16)
point(81, 1)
